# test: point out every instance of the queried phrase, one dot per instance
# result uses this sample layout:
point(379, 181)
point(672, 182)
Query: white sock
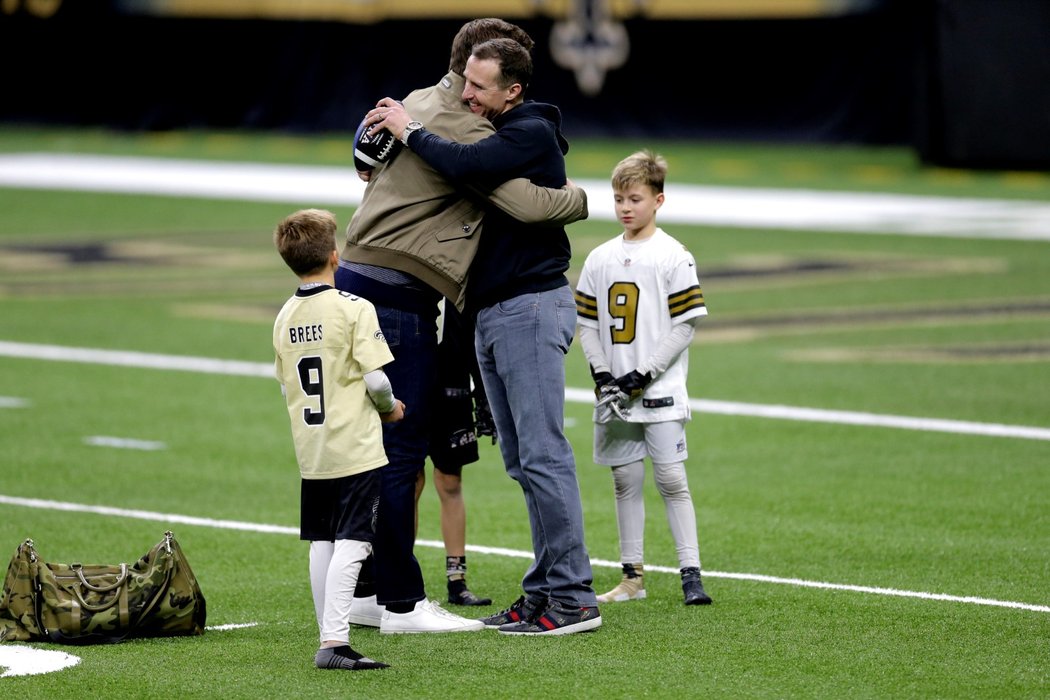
point(339, 588)
point(673, 485)
point(320, 558)
point(628, 480)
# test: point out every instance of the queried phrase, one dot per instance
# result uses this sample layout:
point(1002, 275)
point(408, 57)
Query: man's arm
point(518, 197)
point(532, 204)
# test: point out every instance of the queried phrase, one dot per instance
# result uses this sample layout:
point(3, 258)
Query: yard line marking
point(501, 551)
point(147, 515)
point(743, 207)
point(123, 443)
point(145, 360)
point(730, 408)
point(12, 402)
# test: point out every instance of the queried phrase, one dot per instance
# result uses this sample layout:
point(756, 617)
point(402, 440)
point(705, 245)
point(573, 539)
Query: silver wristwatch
point(409, 128)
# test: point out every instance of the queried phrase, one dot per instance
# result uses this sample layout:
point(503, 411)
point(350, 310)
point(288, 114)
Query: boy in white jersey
point(637, 301)
point(329, 358)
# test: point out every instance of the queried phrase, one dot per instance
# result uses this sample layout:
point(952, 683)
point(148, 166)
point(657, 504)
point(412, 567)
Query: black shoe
point(459, 594)
point(557, 619)
point(346, 659)
point(523, 610)
point(692, 588)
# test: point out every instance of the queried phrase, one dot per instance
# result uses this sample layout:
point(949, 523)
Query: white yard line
point(756, 208)
point(171, 518)
point(732, 408)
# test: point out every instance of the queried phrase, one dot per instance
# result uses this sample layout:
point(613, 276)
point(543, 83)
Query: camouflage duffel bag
point(157, 596)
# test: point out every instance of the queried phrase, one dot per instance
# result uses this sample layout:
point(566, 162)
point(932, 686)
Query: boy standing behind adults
point(409, 243)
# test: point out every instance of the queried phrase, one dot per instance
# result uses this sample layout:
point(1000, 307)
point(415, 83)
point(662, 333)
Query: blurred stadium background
point(963, 82)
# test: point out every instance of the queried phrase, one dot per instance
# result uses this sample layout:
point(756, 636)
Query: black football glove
point(633, 383)
point(484, 423)
point(601, 379)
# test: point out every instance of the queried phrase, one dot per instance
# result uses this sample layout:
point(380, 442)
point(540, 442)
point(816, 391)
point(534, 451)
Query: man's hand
point(388, 114)
point(633, 383)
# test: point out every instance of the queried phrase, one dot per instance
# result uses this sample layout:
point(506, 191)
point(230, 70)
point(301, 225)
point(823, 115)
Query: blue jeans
point(521, 345)
point(412, 338)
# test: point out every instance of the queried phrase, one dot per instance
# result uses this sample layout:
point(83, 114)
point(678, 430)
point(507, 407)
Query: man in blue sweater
point(525, 315)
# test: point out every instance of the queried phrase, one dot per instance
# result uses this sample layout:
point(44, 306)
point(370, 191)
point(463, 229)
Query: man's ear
point(514, 92)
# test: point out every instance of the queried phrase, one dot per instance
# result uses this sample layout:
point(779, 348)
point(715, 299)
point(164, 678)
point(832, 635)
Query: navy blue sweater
point(513, 258)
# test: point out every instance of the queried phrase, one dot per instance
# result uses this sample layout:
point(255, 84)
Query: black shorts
point(452, 439)
point(339, 509)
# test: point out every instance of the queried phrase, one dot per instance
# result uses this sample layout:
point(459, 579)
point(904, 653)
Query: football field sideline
point(143, 360)
point(733, 207)
point(500, 551)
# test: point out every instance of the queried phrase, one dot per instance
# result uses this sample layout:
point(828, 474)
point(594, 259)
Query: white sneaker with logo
point(428, 616)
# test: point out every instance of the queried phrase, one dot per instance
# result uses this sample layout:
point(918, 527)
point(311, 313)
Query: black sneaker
point(692, 588)
point(459, 594)
point(557, 619)
point(523, 610)
point(346, 659)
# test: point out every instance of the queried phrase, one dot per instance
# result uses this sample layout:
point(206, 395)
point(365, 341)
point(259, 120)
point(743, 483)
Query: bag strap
point(79, 568)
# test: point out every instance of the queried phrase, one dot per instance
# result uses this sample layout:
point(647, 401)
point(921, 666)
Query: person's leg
point(490, 338)
point(340, 580)
point(320, 558)
point(628, 486)
point(628, 483)
point(347, 520)
point(421, 481)
point(449, 487)
point(529, 337)
point(412, 339)
point(667, 444)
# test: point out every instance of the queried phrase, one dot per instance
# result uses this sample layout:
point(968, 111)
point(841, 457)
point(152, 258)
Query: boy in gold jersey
point(329, 359)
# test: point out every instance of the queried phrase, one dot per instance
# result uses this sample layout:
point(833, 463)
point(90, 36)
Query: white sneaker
point(366, 612)
point(428, 616)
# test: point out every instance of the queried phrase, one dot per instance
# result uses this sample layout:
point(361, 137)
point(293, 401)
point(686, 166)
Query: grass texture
point(825, 545)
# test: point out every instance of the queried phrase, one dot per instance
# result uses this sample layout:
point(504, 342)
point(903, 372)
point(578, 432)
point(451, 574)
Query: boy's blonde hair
point(640, 168)
point(306, 240)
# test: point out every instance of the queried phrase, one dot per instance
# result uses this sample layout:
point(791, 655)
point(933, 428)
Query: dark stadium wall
point(899, 72)
point(826, 79)
point(984, 98)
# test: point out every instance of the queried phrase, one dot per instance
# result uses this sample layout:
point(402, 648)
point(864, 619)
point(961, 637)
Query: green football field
point(869, 449)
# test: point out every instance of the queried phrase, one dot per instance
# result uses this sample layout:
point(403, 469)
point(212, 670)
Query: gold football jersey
point(325, 341)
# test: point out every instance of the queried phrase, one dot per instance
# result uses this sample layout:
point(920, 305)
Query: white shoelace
point(436, 608)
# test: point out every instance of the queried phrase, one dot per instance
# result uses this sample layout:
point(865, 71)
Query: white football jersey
point(633, 295)
point(325, 342)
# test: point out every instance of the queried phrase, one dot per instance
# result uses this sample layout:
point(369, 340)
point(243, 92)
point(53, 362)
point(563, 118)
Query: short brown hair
point(640, 168)
point(477, 31)
point(306, 239)
point(515, 63)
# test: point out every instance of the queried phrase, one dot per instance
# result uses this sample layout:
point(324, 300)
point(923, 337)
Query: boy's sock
point(346, 659)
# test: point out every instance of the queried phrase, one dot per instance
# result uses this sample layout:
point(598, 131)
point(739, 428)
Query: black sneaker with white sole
point(557, 619)
point(522, 610)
